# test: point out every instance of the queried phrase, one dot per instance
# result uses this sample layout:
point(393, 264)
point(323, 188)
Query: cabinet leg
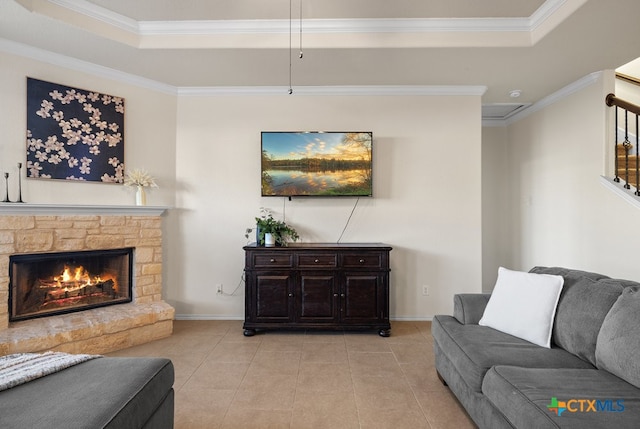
point(249, 332)
point(384, 332)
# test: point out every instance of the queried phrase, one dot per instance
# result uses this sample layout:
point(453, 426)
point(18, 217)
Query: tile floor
point(301, 380)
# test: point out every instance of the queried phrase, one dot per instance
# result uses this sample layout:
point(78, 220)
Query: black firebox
point(44, 284)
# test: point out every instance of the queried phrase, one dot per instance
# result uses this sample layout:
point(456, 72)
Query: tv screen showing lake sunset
point(316, 164)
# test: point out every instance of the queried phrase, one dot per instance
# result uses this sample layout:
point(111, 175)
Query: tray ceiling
point(535, 46)
point(172, 10)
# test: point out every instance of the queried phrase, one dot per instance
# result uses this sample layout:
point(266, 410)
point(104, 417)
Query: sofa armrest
point(469, 307)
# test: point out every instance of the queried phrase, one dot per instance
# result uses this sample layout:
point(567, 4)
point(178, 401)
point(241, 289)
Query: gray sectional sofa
point(108, 392)
point(588, 378)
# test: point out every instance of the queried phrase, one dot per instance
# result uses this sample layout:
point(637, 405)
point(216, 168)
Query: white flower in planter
point(138, 177)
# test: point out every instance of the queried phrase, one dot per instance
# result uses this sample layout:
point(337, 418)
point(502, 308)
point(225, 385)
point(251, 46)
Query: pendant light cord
point(290, 31)
point(301, 54)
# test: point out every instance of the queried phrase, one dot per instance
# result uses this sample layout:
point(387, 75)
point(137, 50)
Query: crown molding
point(37, 54)
point(523, 31)
point(548, 9)
point(93, 11)
point(353, 90)
point(334, 26)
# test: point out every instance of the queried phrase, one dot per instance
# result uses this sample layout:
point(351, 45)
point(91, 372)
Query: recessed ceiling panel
point(169, 10)
point(502, 111)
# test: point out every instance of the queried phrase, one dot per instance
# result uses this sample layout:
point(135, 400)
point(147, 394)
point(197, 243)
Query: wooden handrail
point(612, 100)
point(627, 78)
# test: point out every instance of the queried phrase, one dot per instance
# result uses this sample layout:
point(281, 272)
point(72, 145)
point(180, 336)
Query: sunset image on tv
point(316, 164)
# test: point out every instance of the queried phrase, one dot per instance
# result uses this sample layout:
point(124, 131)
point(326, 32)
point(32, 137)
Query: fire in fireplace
point(44, 284)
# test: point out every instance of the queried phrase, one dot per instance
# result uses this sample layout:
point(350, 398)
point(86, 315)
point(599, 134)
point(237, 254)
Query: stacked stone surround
point(98, 330)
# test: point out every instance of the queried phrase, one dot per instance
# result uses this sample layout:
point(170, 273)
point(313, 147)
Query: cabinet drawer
point(362, 259)
point(279, 259)
point(318, 261)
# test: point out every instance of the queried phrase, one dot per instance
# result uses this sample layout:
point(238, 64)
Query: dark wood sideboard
point(317, 286)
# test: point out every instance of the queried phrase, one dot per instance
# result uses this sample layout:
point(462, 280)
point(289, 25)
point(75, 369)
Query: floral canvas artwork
point(74, 134)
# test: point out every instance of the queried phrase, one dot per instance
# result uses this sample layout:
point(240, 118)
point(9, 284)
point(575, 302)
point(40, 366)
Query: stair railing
point(630, 175)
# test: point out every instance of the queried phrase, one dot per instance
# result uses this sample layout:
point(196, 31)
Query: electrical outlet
point(425, 290)
point(219, 289)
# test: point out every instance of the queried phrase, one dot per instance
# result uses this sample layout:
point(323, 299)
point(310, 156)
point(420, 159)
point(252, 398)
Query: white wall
point(561, 214)
point(150, 130)
point(426, 183)
point(205, 155)
point(495, 204)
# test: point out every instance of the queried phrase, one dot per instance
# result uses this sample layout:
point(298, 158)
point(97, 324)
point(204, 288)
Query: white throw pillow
point(524, 305)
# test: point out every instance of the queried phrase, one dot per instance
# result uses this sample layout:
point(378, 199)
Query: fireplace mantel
point(12, 209)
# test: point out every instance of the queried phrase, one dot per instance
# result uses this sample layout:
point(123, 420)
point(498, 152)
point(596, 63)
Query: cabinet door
point(363, 298)
point(318, 298)
point(272, 297)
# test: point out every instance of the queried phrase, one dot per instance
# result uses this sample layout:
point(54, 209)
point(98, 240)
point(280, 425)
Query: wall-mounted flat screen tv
point(317, 163)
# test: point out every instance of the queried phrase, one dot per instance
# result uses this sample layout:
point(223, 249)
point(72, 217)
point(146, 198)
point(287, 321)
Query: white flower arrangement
point(138, 177)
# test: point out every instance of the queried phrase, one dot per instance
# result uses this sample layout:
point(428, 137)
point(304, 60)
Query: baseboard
point(232, 317)
point(207, 317)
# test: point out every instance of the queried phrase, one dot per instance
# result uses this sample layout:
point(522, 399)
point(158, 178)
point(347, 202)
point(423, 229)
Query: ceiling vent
point(502, 111)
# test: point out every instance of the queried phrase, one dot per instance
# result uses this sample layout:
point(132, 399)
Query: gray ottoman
point(108, 392)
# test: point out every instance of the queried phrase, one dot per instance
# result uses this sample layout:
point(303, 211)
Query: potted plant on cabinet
point(272, 232)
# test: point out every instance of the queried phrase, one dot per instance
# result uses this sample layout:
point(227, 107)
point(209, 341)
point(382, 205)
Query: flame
point(79, 277)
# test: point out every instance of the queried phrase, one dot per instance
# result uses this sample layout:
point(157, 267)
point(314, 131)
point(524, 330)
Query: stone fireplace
point(76, 232)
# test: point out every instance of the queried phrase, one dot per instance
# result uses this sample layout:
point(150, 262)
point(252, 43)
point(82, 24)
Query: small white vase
point(141, 197)
point(269, 240)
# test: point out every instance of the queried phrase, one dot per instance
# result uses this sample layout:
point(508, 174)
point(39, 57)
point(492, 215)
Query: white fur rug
point(21, 368)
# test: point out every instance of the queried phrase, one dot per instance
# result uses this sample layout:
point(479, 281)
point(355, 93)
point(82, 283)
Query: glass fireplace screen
point(44, 284)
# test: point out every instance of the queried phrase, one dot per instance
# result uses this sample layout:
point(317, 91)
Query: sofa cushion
point(618, 346)
point(585, 300)
point(525, 398)
point(473, 349)
point(583, 306)
point(109, 392)
point(475, 404)
point(568, 274)
point(524, 305)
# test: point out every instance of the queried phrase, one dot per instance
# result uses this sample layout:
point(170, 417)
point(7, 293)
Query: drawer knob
point(316, 261)
point(272, 260)
point(290, 295)
point(335, 294)
point(342, 295)
point(362, 261)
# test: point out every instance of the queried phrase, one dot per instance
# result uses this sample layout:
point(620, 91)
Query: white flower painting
point(73, 134)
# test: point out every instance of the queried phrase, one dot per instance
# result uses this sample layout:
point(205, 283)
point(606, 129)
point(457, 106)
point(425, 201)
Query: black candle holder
point(6, 187)
point(19, 183)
